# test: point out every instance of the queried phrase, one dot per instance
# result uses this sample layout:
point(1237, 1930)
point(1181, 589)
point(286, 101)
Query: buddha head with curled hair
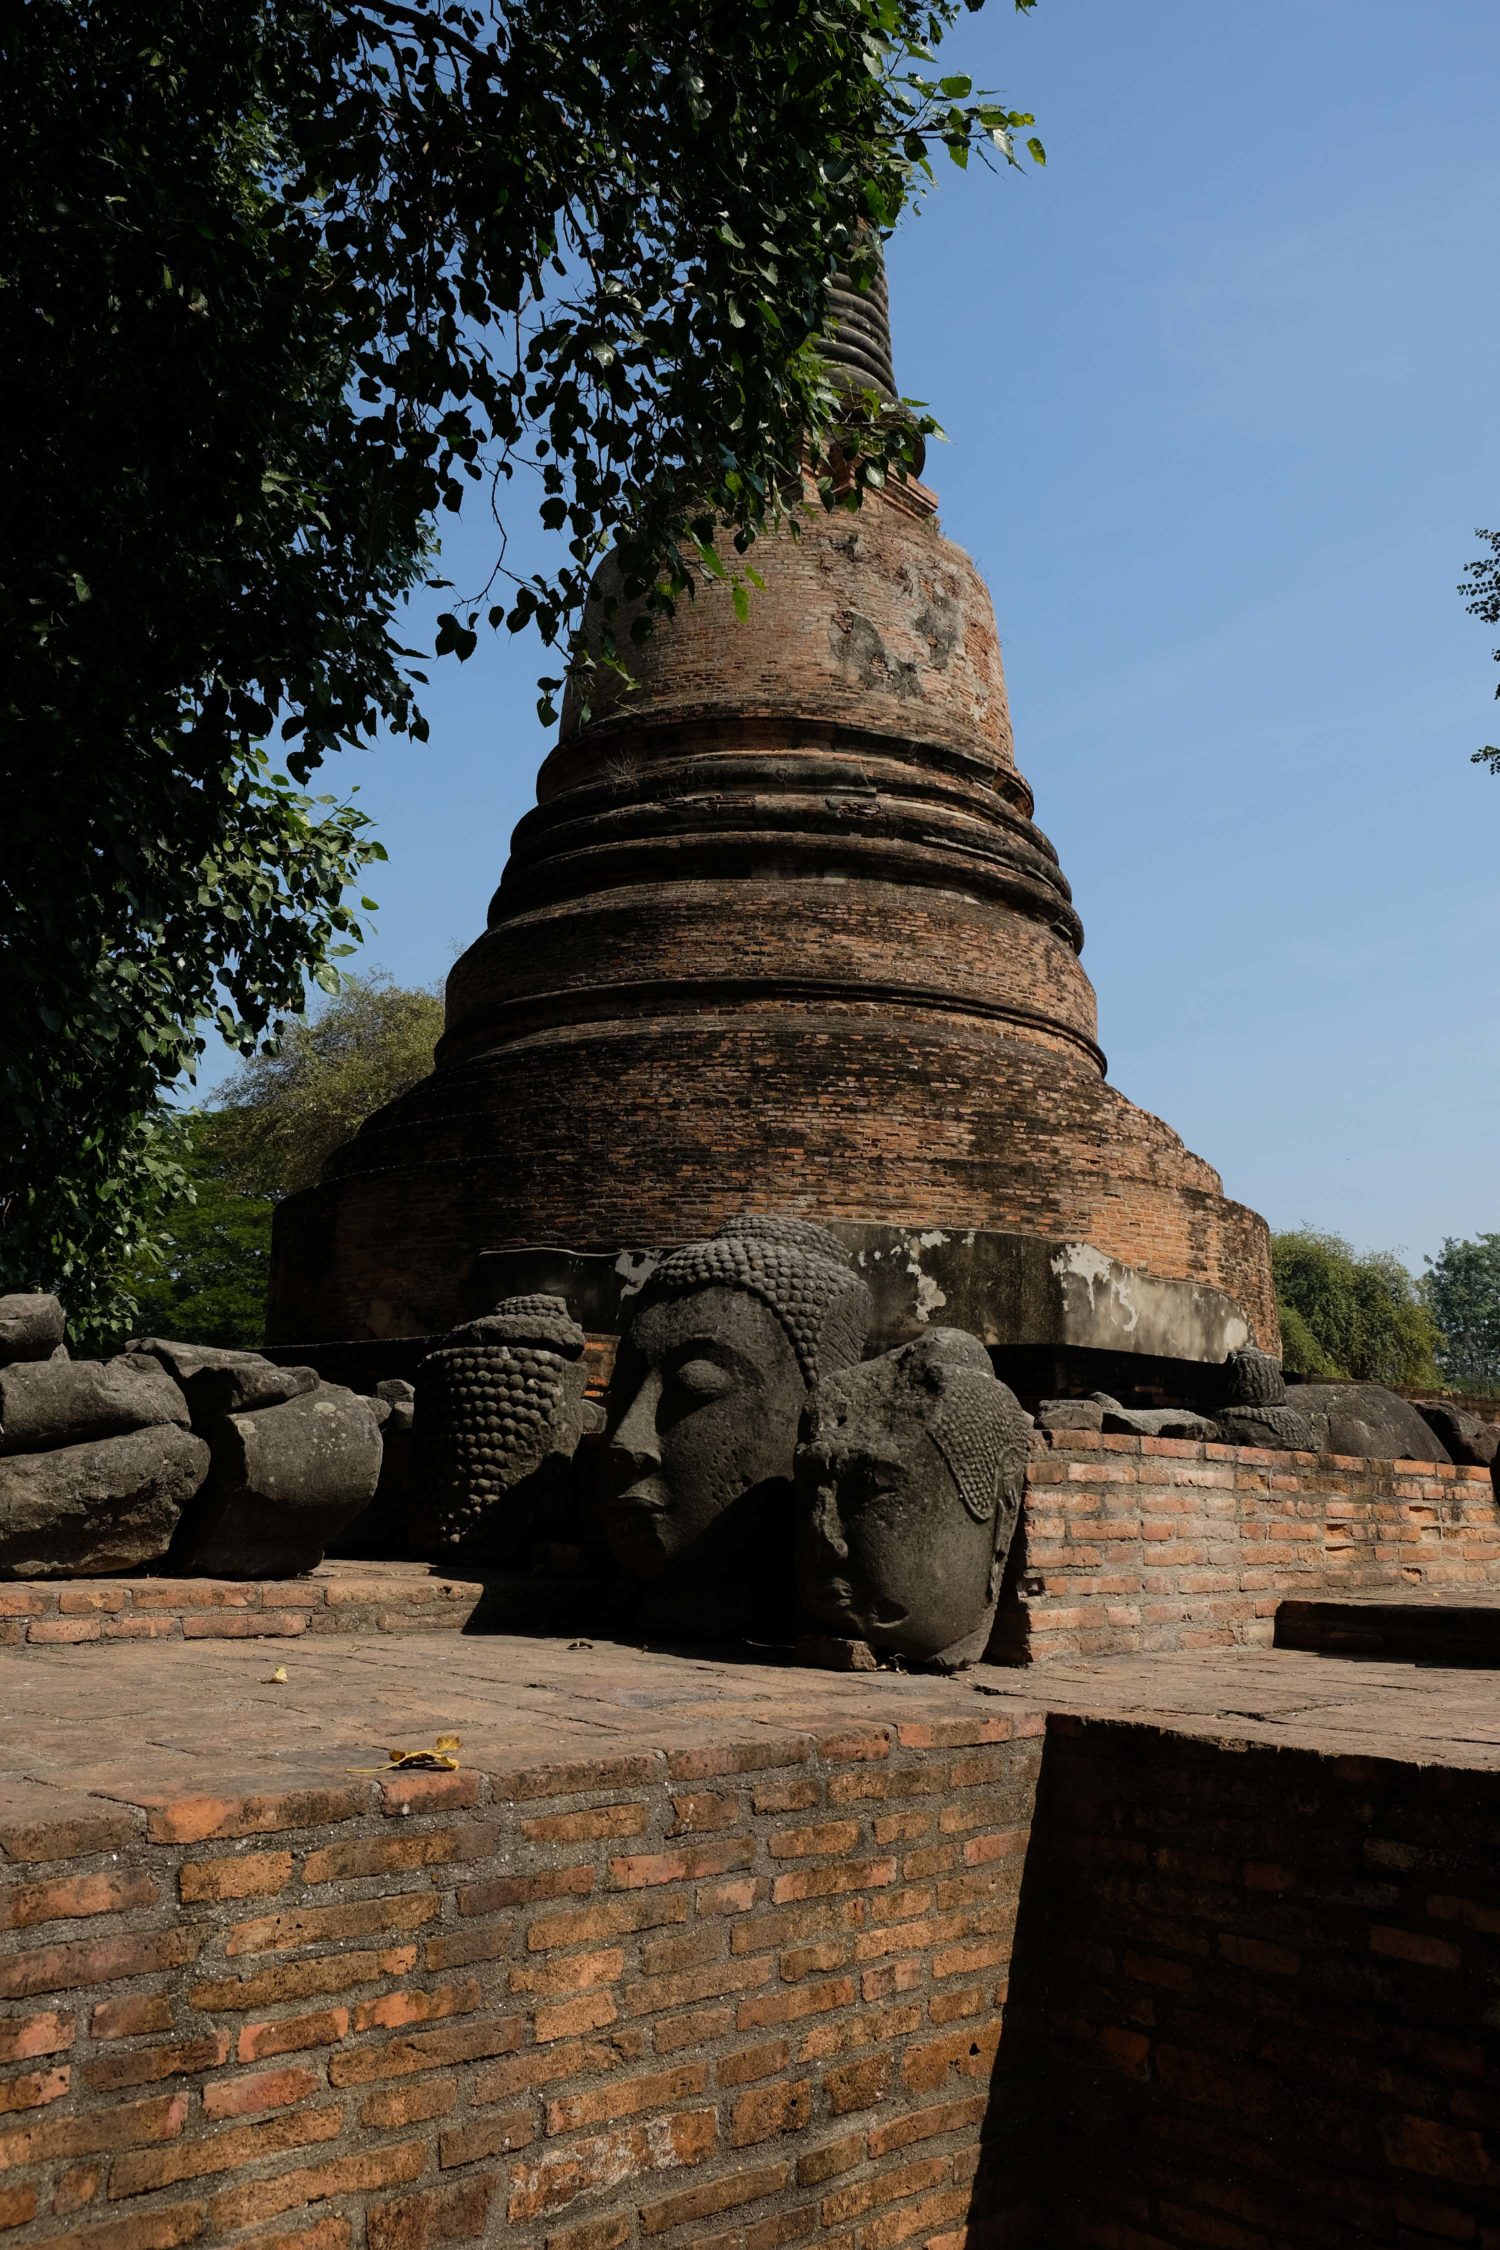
point(909, 1482)
point(729, 1337)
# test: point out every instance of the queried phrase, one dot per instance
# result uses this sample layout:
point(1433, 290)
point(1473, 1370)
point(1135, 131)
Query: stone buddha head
point(729, 1337)
point(909, 1484)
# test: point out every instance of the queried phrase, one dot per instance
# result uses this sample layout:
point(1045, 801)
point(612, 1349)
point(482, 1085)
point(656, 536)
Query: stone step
point(1451, 1631)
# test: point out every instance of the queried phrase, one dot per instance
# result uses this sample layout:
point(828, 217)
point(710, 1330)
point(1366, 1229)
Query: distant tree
point(206, 1282)
point(1345, 1315)
point(272, 1125)
point(1480, 586)
point(1463, 1287)
point(281, 1114)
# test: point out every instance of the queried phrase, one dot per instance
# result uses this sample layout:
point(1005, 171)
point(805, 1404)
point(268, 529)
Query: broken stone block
point(1368, 1421)
point(51, 1402)
point(1467, 1438)
point(1279, 1429)
point(1070, 1414)
point(88, 1511)
point(31, 1327)
point(1254, 1378)
point(184, 1360)
point(243, 1386)
point(285, 1481)
point(1155, 1421)
point(401, 1399)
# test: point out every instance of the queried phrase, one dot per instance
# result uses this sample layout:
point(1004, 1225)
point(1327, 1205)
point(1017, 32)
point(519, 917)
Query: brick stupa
point(780, 935)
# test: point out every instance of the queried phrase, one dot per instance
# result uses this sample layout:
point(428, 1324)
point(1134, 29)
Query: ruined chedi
point(780, 935)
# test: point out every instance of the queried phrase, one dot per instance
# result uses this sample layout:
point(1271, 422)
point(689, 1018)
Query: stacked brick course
point(1274, 2013)
point(1132, 1544)
point(752, 1994)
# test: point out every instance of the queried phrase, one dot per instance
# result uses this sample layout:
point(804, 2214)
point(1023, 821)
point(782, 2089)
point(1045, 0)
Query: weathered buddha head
point(729, 1337)
point(909, 1483)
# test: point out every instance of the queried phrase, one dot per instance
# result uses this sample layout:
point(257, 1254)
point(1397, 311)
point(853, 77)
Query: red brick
point(625, 2097)
point(70, 1898)
point(17, 2206)
point(289, 2035)
point(143, 2230)
point(390, 1854)
point(250, 1875)
point(259, 2091)
point(426, 2050)
point(316, 2183)
point(53, 1968)
point(499, 1894)
point(431, 2216)
point(140, 2170)
point(858, 2085)
point(393, 2108)
point(612, 1917)
point(304, 1980)
point(608, 2160)
point(927, 2124)
point(326, 1925)
point(125, 2125)
point(767, 2110)
point(494, 2135)
point(829, 2159)
point(580, 1827)
point(416, 2004)
point(34, 2089)
point(749, 2063)
point(130, 2015)
point(139, 2066)
point(684, 1865)
point(815, 1841)
point(46, 2034)
point(727, 2193)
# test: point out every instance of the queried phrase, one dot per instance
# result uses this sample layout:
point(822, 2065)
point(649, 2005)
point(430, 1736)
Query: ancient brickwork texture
point(1129, 1544)
point(1273, 1991)
point(746, 1998)
point(348, 1597)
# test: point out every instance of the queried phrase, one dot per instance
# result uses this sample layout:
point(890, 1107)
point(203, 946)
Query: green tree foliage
point(1480, 587)
point(1463, 1288)
point(206, 1279)
point(281, 1114)
point(280, 286)
point(275, 1121)
point(1351, 1316)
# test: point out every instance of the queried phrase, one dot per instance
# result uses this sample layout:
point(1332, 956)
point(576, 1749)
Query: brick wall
point(745, 1998)
point(1131, 1544)
point(1274, 1994)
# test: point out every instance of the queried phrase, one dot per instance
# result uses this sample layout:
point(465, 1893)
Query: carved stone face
point(889, 1549)
point(706, 1397)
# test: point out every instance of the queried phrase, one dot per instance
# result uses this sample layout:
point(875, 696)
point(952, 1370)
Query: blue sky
point(1220, 387)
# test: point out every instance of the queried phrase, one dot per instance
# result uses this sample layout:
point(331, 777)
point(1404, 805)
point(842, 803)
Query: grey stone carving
point(85, 1511)
point(1278, 1429)
point(31, 1327)
point(285, 1481)
point(1070, 1414)
point(51, 1402)
point(243, 1387)
point(910, 1478)
point(1467, 1437)
point(1363, 1420)
point(1153, 1421)
point(729, 1338)
point(1254, 1379)
point(499, 1412)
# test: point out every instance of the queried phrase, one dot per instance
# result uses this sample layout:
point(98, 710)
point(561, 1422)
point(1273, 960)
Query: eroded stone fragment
point(1279, 1429)
point(1467, 1437)
point(1154, 1421)
point(243, 1386)
point(31, 1327)
point(51, 1402)
point(1070, 1414)
point(87, 1511)
point(910, 1477)
point(1255, 1379)
point(285, 1480)
point(498, 1414)
point(1368, 1421)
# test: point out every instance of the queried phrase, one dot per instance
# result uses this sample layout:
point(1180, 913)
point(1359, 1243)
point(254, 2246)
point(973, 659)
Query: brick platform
point(1198, 1950)
point(1133, 1543)
point(338, 1597)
